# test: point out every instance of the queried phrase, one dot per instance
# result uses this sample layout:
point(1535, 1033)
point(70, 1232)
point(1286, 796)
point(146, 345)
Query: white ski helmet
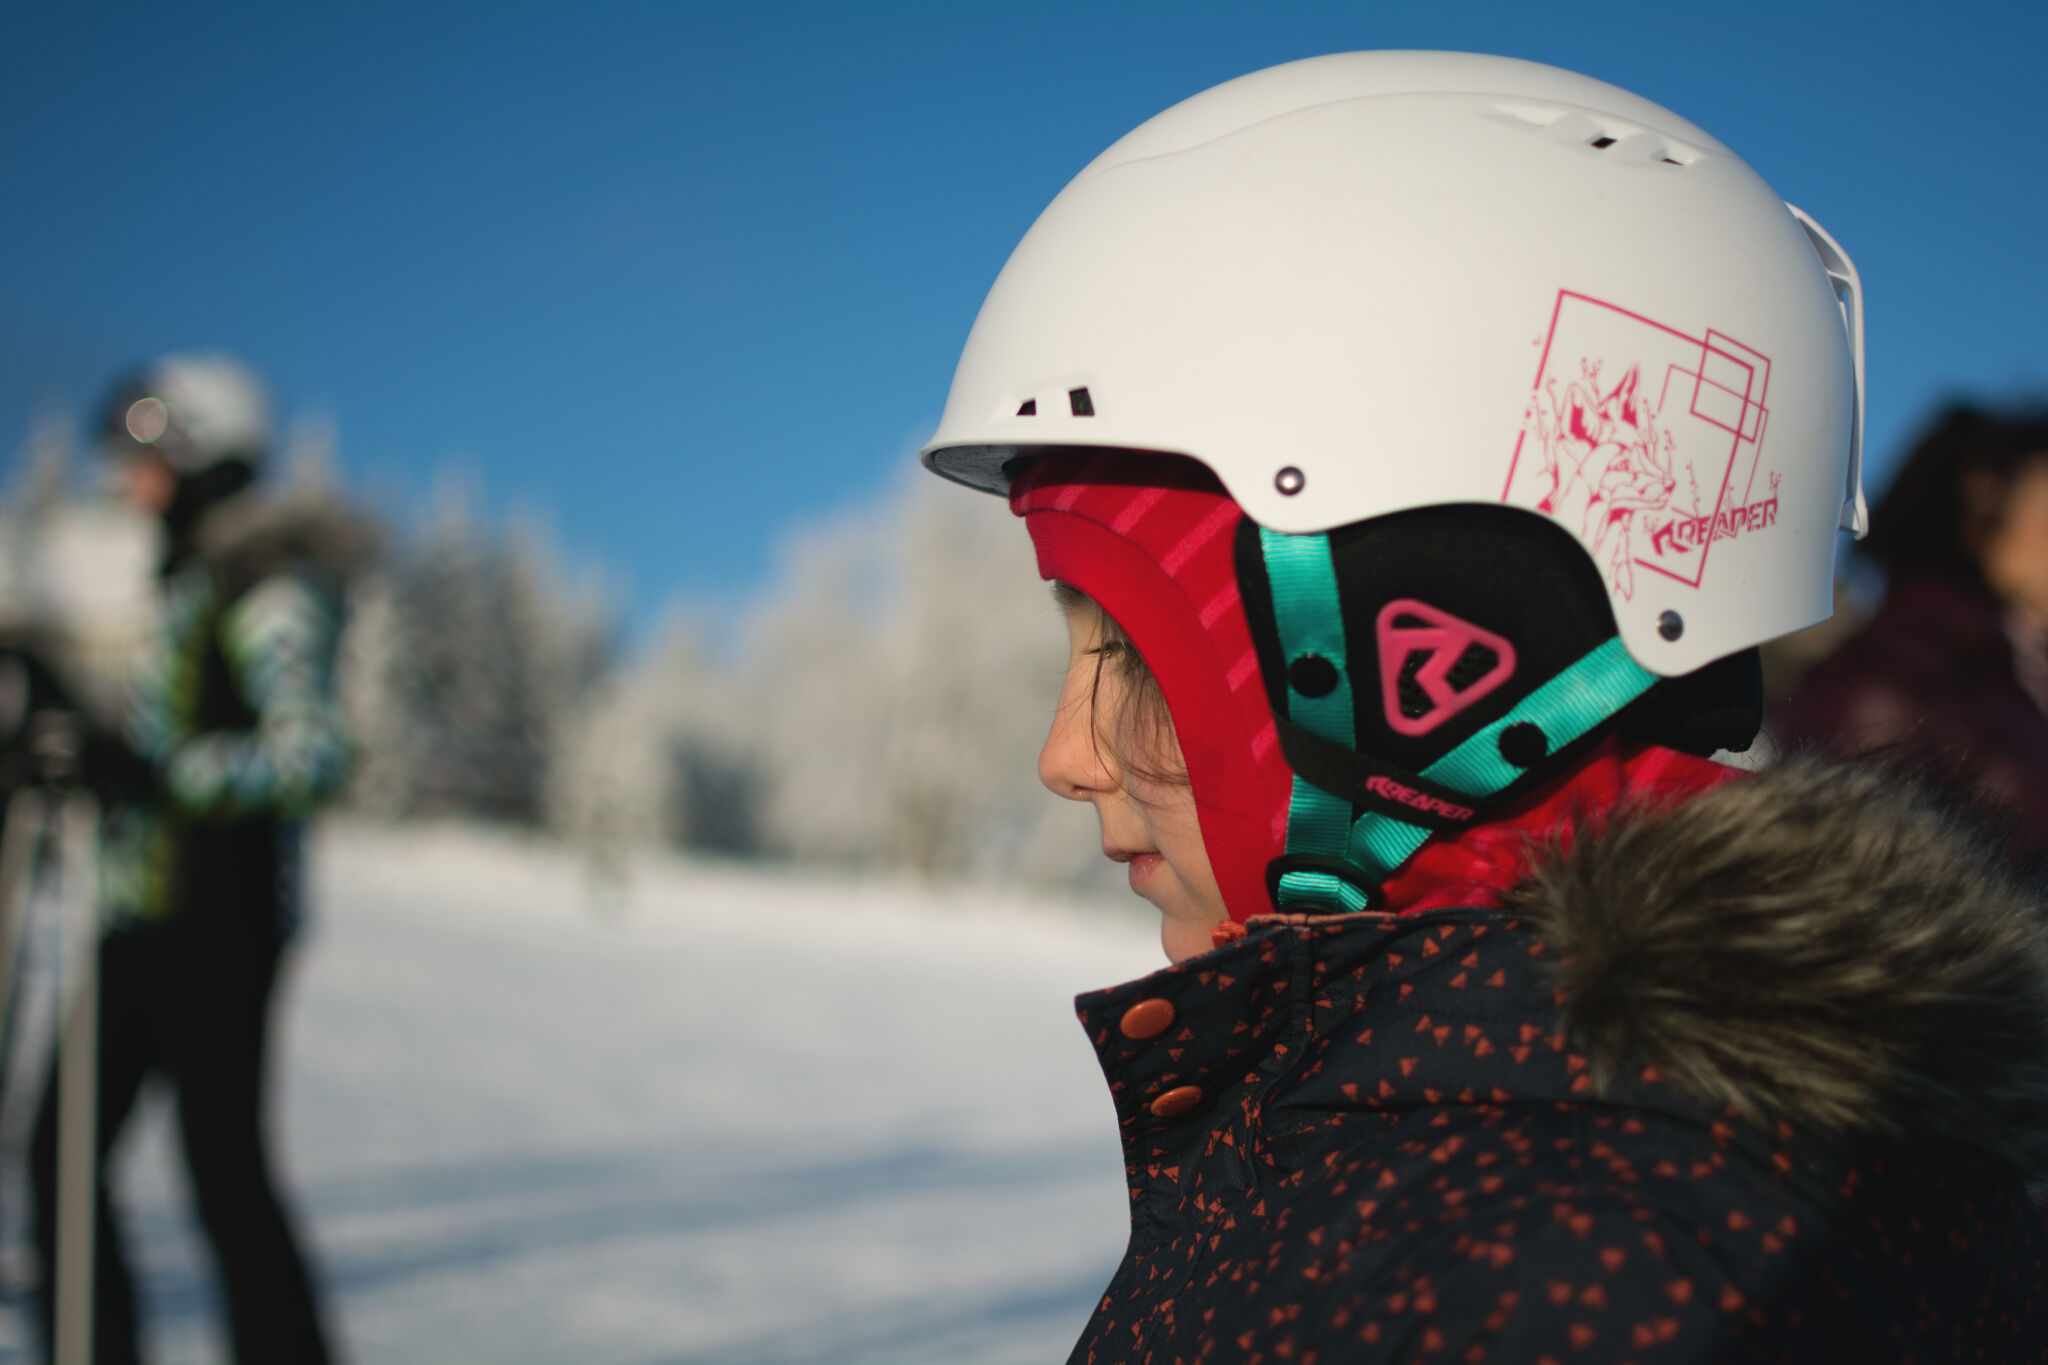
point(1375, 281)
point(196, 410)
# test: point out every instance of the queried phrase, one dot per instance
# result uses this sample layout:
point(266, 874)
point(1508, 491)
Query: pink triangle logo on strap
point(1408, 628)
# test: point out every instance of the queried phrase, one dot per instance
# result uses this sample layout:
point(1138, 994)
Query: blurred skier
point(1423, 444)
point(1953, 669)
point(235, 739)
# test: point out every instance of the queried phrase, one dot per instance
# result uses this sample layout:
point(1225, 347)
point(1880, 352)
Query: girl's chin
point(1184, 927)
point(1182, 940)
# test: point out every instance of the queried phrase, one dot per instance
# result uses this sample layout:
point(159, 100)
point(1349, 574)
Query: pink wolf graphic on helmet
point(1644, 440)
point(1606, 460)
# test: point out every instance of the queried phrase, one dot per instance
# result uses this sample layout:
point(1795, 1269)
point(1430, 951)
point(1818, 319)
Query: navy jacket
point(1372, 1138)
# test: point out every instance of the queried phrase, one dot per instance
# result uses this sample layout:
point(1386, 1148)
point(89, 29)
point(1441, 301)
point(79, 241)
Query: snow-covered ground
point(723, 1114)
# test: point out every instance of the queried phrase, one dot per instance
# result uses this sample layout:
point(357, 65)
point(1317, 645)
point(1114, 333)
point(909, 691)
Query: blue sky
point(686, 276)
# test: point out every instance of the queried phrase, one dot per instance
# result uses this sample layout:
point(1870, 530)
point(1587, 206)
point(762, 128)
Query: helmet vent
point(1079, 403)
point(1028, 408)
point(1631, 142)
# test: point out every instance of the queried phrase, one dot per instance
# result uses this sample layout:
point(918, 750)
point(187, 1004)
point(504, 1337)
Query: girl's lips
point(1143, 865)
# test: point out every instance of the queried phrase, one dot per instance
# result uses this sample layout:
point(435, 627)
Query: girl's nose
point(1072, 763)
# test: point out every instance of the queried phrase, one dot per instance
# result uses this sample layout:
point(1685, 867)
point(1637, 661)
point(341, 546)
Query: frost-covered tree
point(910, 659)
point(664, 753)
point(975, 655)
point(883, 707)
point(469, 658)
point(816, 669)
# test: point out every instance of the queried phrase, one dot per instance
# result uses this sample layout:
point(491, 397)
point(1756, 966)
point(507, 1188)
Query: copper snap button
point(1147, 1019)
point(1178, 1100)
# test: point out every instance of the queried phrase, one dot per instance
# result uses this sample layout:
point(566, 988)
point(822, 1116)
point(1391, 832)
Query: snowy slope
point(721, 1115)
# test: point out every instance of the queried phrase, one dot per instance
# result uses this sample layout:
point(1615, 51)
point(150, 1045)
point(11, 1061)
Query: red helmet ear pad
point(1149, 538)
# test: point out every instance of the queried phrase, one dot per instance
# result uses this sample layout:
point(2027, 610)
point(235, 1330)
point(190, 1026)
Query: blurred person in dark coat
point(1952, 671)
point(233, 738)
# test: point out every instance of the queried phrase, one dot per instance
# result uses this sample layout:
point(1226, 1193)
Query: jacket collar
point(1483, 865)
point(1824, 947)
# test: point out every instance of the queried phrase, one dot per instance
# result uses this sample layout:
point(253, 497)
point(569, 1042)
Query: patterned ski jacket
point(1757, 1078)
point(233, 712)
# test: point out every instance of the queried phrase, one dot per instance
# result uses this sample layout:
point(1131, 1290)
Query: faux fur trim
point(250, 537)
point(1826, 944)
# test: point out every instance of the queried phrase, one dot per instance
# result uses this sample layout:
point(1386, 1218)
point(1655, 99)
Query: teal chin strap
point(1363, 852)
point(1312, 627)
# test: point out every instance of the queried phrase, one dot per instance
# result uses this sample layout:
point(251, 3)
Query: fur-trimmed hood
point(250, 536)
point(1827, 944)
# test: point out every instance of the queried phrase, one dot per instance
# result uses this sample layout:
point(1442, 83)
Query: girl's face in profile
point(1112, 745)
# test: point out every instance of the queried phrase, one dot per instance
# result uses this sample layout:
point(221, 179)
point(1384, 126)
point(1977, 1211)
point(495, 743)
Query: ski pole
point(27, 819)
point(77, 1086)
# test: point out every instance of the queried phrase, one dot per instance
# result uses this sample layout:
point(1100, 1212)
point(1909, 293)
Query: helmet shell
point(1375, 281)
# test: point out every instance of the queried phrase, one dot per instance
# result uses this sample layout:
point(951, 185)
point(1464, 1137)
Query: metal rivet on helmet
point(1290, 481)
point(1670, 625)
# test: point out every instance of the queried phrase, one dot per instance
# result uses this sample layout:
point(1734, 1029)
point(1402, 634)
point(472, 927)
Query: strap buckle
point(1343, 869)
